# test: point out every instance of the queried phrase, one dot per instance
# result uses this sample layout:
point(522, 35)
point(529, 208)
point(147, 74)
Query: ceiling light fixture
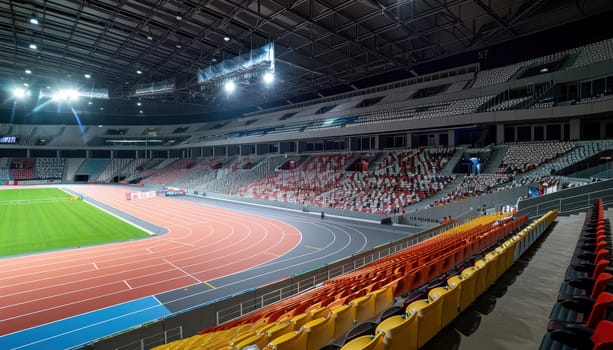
point(139, 71)
point(87, 76)
point(138, 103)
point(178, 46)
point(34, 20)
point(33, 46)
point(149, 37)
point(226, 38)
point(229, 86)
point(28, 71)
point(268, 78)
point(19, 93)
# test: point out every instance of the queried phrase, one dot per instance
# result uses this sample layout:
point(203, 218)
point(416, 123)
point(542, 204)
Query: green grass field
point(36, 220)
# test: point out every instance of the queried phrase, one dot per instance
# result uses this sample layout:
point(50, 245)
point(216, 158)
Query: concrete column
point(575, 129)
point(499, 134)
point(451, 138)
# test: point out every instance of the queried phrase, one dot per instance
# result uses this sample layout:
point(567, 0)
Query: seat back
point(603, 336)
point(468, 285)
point(319, 332)
point(295, 340)
point(599, 310)
point(399, 332)
point(600, 284)
point(429, 318)
point(366, 342)
point(364, 308)
point(343, 320)
point(481, 275)
point(384, 298)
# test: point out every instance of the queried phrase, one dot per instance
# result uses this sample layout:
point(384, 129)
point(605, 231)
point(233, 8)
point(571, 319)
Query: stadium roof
point(322, 47)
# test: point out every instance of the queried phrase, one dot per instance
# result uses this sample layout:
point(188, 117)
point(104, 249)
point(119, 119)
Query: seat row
point(581, 319)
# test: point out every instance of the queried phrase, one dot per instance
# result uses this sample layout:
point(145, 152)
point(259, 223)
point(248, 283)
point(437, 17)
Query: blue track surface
point(82, 329)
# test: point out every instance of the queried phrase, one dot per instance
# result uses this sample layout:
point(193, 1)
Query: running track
point(205, 245)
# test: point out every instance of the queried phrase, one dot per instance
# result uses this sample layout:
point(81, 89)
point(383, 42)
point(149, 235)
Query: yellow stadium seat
point(279, 329)
point(343, 320)
point(319, 332)
point(450, 309)
point(288, 341)
point(399, 332)
point(429, 318)
point(468, 291)
point(323, 311)
point(384, 298)
point(260, 340)
point(481, 275)
point(300, 319)
point(366, 342)
point(494, 271)
point(364, 308)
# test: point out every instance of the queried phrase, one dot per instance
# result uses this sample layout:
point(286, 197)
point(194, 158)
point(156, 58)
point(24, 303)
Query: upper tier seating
point(523, 157)
point(582, 151)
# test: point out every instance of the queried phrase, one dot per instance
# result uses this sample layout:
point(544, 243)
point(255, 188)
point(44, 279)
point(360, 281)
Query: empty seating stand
point(581, 317)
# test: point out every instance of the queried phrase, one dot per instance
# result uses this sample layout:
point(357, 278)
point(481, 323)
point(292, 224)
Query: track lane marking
point(180, 269)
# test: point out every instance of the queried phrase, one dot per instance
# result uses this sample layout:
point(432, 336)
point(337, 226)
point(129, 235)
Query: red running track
point(203, 243)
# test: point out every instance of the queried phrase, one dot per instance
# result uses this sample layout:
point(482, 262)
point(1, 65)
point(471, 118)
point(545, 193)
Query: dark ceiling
point(321, 46)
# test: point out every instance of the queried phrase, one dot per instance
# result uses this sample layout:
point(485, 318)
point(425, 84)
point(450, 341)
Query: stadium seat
point(364, 308)
point(384, 298)
point(481, 284)
point(366, 342)
point(580, 310)
point(343, 317)
point(399, 332)
point(429, 318)
point(468, 287)
point(318, 332)
point(449, 296)
point(294, 340)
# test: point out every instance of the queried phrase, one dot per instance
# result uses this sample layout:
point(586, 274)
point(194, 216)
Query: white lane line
point(173, 241)
point(126, 282)
point(180, 269)
point(95, 266)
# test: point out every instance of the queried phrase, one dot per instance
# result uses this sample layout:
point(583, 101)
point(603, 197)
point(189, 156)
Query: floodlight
point(87, 76)
point(28, 71)
point(139, 71)
point(229, 86)
point(226, 38)
point(34, 20)
point(33, 46)
point(19, 93)
point(138, 103)
point(65, 95)
point(268, 78)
